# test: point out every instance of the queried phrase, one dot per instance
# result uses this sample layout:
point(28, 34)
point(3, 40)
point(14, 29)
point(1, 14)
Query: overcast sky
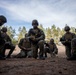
point(47, 12)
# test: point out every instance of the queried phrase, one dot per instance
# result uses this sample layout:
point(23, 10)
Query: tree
point(48, 33)
point(22, 32)
point(41, 27)
point(11, 32)
point(72, 29)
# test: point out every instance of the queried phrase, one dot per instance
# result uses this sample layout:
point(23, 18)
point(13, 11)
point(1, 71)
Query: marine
point(51, 48)
point(73, 48)
point(8, 43)
point(25, 46)
point(37, 36)
point(3, 20)
point(66, 41)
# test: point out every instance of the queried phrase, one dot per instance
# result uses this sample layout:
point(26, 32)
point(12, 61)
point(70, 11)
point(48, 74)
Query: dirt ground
point(30, 66)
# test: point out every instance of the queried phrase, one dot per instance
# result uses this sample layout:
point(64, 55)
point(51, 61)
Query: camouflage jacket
point(24, 44)
point(6, 37)
point(52, 47)
point(38, 34)
point(2, 41)
point(67, 38)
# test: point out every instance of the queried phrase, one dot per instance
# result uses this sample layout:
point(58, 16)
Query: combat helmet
point(52, 40)
point(67, 28)
point(2, 20)
point(4, 29)
point(35, 22)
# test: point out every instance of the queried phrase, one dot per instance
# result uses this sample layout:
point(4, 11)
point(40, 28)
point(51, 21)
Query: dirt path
point(30, 66)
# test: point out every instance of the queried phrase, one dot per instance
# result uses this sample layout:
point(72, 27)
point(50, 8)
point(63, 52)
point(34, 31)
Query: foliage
point(22, 32)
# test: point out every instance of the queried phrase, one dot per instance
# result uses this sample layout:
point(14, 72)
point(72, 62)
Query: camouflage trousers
point(68, 51)
point(8, 46)
point(73, 47)
point(1, 51)
point(40, 46)
point(24, 54)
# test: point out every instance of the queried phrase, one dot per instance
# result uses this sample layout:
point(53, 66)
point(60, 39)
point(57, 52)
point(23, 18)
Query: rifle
point(65, 42)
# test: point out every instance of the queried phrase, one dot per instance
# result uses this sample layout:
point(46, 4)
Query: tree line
point(50, 32)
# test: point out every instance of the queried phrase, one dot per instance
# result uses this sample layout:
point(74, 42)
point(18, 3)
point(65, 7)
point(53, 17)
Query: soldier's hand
point(32, 38)
point(68, 42)
point(25, 48)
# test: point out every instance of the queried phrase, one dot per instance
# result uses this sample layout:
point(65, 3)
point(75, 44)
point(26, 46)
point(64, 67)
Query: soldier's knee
point(73, 41)
point(45, 50)
point(41, 42)
point(13, 47)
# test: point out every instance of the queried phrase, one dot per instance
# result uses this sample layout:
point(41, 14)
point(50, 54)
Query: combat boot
point(2, 58)
point(41, 58)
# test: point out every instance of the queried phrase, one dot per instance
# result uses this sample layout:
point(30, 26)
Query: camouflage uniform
point(8, 43)
point(36, 36)
point(66, 41)
point(51, 48)
point(73, 48)
point(25, 47)
point(2, 42)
